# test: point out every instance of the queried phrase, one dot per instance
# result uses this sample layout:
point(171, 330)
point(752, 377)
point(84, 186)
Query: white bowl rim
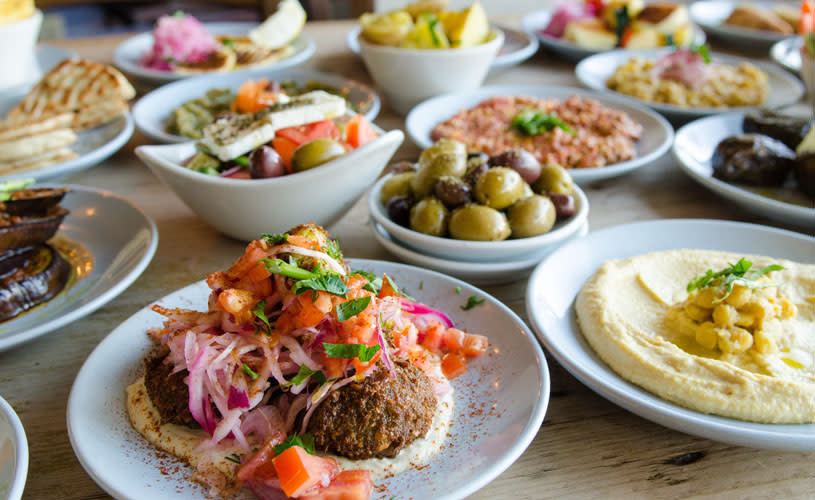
point(20, 449)
point(496, 39)
point(149, 154)
point(535, 242)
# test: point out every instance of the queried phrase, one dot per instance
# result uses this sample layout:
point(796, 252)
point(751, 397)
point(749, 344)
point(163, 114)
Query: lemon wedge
point(281, 27)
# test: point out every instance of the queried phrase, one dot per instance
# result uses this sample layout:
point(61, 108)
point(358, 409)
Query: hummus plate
point(552, 316)
point(480, 446)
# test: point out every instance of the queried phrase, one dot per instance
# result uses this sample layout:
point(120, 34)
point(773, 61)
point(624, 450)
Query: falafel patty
point(168, 392)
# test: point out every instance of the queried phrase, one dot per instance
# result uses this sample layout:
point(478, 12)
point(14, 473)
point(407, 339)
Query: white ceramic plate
point(111, 236)
point(152, 111)
point(710, 15)
point(693, 149)
point(482, 446)
point(535, 22)
point(93, 146)
point(518, 47)
point(595, 70)
point(479, 273)
point(551, 313)
point(129, 52)
point(657, 135)
point(13, 453)
point(787, 53)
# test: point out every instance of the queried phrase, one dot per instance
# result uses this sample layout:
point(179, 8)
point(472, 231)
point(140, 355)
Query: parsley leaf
point(351, 351)
point(702, 50)
point(397, 290)
point(260, 314)
point(374, 283)
point(529, 122)
point(227, 42)
point(351, 308)
point(740, 273)
point(331, 283)
point(306, 441)
point(234, 458)
point(288, 269)
point(304, 373)
point(274, 239)
point(249, 371)
point(332, 248)
point(472, 301)
point(458, 290)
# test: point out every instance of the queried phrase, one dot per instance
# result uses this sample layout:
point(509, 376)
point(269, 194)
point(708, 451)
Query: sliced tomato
point(348, 485)
point(302, 134)
point(300, 471)
point(453, 365)
point(387, 289)
point(358, 132)
point(285, 148)
point(433, 336)
point(260, 465)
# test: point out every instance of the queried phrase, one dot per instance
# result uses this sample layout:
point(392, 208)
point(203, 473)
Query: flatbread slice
point(37, 161)
point(17, 129)
point(37, 144)
point(249, 54)
point(101, 112)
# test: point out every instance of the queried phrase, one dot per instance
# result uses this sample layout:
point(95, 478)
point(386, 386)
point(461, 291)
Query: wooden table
point(586, 448)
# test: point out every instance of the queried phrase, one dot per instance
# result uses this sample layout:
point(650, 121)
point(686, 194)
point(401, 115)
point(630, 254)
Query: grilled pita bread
point(48, 158)
point(71, 86)
point(15, 130)
point(249, 54)
point(102, 112)
point(25, 147)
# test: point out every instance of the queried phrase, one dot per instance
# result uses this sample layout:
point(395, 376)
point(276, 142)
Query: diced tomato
point(433, 336)
point(474, 345)
point(348, 485)
point(625, 38)
point(302, 134)
point(251, 257)
point(454, 339)
point(334, 367)
point(238, 303)
point(358, 131)
point(387, 289)
point(260, 465)
point(453, 365)
point(806, 23)
point(300, 471)
point(285, 148)
point(253, 96)
point(258, 273)
point(302, 241)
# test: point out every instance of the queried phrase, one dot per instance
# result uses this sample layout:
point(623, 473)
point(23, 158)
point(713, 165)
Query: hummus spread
point(633, 312)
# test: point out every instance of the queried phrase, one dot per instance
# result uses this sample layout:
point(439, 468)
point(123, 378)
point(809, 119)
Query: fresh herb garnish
point(623, 20)
point(669, 40)
point(351, 308)
point(306, 441)
point(227, 42)
point(702, 50)
point(234, 458)
point(179, 13)
point(396, 288)
point(304, 373)
point(332, 248)
point(274, 239)
point(529, 122)
point(374, 283)
point(289, 270)
point(331, 283)
point(351, 351)
point(242, 160)
point(740, 273)
point(260, 314)
point(458, 290)
point(421, 285)
point(432, 23)
point(472, 301)
point(249, 371)
point(7, 187)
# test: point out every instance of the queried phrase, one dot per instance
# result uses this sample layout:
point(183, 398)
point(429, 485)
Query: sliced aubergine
point(33, 202)
point(43, 274)
point(28, 232)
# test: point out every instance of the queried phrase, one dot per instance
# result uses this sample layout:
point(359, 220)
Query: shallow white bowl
point(693, 149)
point(477, 251)
point(152, 111)
point(711, 14)
point(787, 53)
point(656, 138)
point(594, 71)
point(409, 76)
point(245, 209)
point(17, 43)
point(13, 453)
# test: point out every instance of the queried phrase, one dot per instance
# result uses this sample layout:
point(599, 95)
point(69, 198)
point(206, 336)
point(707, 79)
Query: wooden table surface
point(587, 446)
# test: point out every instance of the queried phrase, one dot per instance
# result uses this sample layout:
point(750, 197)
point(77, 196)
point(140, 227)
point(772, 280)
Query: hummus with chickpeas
point(721, 333)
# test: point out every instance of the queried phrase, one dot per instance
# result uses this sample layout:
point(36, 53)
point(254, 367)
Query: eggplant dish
point(31, 271)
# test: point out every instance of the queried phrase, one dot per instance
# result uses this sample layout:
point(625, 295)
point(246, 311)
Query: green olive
point(554, 179)
point(315, 153)
point(396, 185)
point(443, 147)
point(499, 188)
point(531, 216)
point(429, 172)
point(527, 191)
point(429, 216)
point(479, 223)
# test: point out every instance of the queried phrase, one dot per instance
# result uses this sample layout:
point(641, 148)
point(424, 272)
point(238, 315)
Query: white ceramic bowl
point(476, 251)
point(409, 76)
point(17, 43)
point(13, 453)
point(245, 209)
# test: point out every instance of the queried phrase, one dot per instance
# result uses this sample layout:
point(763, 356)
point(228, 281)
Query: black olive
point(398, 209)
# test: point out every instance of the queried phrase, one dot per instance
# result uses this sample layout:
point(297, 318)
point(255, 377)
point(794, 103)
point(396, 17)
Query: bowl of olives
point(245, 209)
point(477, 208)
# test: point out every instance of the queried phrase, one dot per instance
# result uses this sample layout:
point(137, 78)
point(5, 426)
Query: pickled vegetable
point(315, 153)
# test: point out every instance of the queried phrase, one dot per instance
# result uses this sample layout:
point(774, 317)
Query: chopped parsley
point(623, 20)
point(306, 441)
point(351, 308)
point(274, 239)
point(396, 288)
point(249, 371)
point(740, 273)
point(421, 285)
point(331, 283)
point(458, 290)
point(702, 50)
point(472, 301)
point(374, 283)
point(332, 249)
point(8, 186)
point(234, 458)
point(351, 351)
point(227, 42)
point(305, 373)
point(260, 315)
point(529, 122)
